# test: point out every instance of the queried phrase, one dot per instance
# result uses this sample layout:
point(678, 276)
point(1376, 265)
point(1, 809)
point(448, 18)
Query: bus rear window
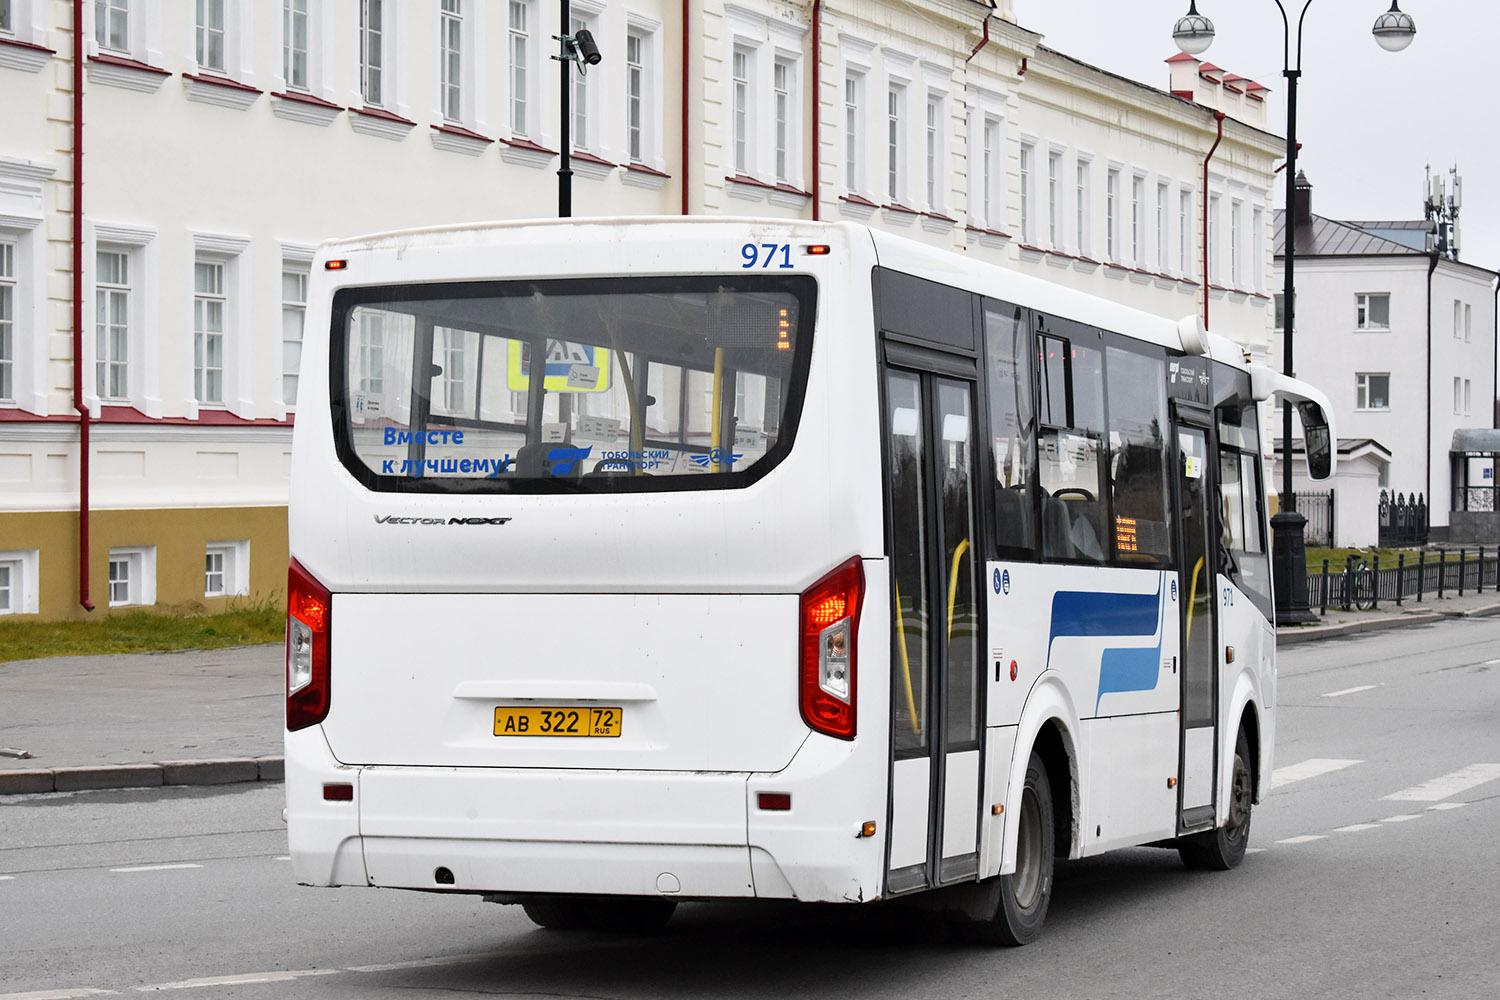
point(609, 385)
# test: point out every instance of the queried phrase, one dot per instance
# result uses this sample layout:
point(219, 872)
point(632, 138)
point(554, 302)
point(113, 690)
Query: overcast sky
point(1369, 121)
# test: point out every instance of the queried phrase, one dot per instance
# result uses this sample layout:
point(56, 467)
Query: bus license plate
point(558, 721)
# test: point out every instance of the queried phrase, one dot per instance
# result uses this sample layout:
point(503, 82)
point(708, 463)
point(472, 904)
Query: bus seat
point(1011, 518)
point(1083, 531)
point(1056, 543)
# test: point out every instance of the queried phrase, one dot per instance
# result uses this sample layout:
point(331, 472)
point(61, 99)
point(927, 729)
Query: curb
point(177, 772)
point(1293, 636)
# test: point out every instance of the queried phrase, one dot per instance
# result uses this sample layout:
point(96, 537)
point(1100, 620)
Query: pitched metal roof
point(1330, 238)
point(1477, 441)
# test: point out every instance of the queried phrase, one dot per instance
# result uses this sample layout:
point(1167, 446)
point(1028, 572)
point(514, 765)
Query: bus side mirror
point(1318, 440)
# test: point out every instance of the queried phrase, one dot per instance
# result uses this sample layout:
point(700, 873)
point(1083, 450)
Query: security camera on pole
point(582, 49)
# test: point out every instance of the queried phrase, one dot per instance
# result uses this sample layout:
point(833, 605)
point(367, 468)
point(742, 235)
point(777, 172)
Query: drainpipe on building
point(686, 34)
point(985, 40)
point(78, 403)
point(1219, 117)
point(817, 110)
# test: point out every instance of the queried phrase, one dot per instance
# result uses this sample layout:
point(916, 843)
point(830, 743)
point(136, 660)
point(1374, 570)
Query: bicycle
point(1363, 586)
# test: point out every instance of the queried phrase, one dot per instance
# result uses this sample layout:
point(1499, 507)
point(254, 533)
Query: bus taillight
point(829, 624)
point(308, 618)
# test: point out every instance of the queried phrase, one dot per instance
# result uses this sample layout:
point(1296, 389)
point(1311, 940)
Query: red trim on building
point(1181, 57)
point(130, 415)
point(17, 43)
point(855, 199)
point(221, 81)
point(986, 232)
point(749, 181)
point(894, 207)
point(462, 132)
point(641, 168)
point(109, 60)
point(9, 415)
point(587, 157)
point(1186, 95)
point(383, 114)
point(938, 216)
point(301, 98)
point(528, 144)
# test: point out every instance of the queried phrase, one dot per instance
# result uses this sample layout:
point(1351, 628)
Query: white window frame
point(457, 83)
point(1362, 321)
point(1215, 258)
point(651, 151)
point(1186, 259)
point(319, 52)
point(23, 27)
point(228, 250)
point(210, 330)
point(234, 571)
point(9, 329)
point(1138, 219)
point(1468, 322)
point(1026, 190)
point(142, 43)
point(1113, 230)
point(895, 143)
point(392, 40)
point(1083, 196)
point(212, 24)
point(1468, 395)
point(1258, 246)
point(588, 93)
point(142, 381)
point(1364, 391)
point(20, 594)
point(742, 111)
point(138, 589)
point(856, 131)
point(295, 260)
point(1163, 232)
point(1236, 251)
point(523, 83)
point(936, 143)
point(1055, 199)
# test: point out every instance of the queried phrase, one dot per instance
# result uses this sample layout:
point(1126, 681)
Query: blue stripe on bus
point(1091, 613)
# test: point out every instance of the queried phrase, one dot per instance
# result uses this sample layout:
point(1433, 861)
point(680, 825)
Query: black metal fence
point(1318, 509)
point(1403, 520)
point(1359, 584)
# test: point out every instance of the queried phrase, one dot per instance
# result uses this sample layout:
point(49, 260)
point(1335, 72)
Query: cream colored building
point(217, 154)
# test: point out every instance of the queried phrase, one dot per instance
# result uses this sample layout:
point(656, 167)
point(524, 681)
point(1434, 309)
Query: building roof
point(1476, 441)
point(1331, 238)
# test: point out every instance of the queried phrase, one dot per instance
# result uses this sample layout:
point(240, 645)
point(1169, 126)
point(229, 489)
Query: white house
point(167, 168)
point(1402, 340)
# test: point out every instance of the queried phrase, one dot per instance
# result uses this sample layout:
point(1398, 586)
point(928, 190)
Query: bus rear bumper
point(637, 833)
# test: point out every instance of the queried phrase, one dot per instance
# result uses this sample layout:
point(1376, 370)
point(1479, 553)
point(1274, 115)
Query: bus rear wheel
point(630, 914)
point(1224, 848)
point(1022, 897)
point(557, 913)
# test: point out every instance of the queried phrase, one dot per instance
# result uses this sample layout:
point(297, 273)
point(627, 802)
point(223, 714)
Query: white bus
point(636, 561)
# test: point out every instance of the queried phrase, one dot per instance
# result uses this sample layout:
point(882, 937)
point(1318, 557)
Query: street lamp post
point(1194, 33)
point(577, 48)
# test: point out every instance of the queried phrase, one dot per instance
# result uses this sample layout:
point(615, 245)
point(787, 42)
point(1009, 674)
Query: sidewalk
point(196, 717)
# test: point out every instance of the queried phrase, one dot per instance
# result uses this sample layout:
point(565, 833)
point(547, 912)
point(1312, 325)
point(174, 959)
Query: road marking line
point(1306, 838)
point(279, 976)
point(284, 857)
point(1447, 805)
point(1353, 690)
point(6, 878)
point(1355, 828)
point(1309, 769)
point(57, 994)
point(1402, 818)
point(1461, 780)
point(1255, 850)
point(1491, 663)
point(424, 962)
point(154, 868)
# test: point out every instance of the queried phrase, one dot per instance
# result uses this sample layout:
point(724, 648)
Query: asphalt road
point(1374, 874)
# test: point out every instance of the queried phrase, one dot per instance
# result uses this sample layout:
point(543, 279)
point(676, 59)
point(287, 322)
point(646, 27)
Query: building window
point(111, 324)
point(582, 139)
point(1280, 298)
point(372, 51)
point(293, 315)
point(208, 332)
point(1468, 385)
point(226, 569)
point(1185, 232)
point(781, 98)
point(7, 320)
point(1138, 220)
point(1112, 215)
point(1236, 273)
point(741, 86)
point(1054, 199)
point(1027, 155)
point(132, 576)
point(895, 152)
point(520, 44)
point(1215, 267)
point(1163, 238)
point(18, 590)
point(635, 93)
point(294, 43)
point(451, 54)
point(1372, 391)
point(1081, 197)
point(5, 17)
point(210, 35)
point(853, 84)
point(112, 25)
point(371, 352)
point(1372, 311)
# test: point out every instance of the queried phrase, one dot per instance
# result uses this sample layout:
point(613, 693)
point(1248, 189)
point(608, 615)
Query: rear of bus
point(586, 593)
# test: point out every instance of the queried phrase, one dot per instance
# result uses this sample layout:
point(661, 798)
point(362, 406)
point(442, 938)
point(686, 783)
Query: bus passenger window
point(1070, 446)
point(1012, 440)
point(1138, 457)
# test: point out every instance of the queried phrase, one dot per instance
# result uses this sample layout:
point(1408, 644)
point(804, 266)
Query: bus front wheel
point(1224, 848)
point(1023, 895)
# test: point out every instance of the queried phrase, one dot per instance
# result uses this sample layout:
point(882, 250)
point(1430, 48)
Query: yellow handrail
point(713, 435)
point(958, 554)
point(1192, 599)
point(911, 702)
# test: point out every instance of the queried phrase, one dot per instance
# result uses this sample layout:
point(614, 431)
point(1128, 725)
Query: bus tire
point(1224, 848)
point(1024, 895)
point(556, 913)
point(630, 914)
